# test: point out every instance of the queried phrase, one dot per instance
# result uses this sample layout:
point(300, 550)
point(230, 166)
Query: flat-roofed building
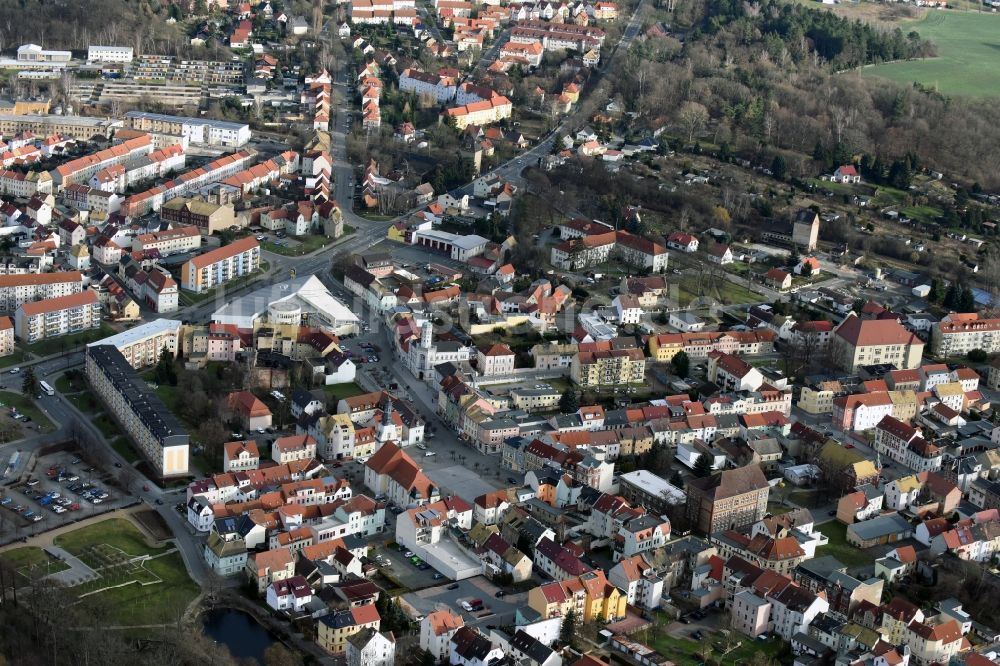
point(141, 346)
point(120, 54)
point(154, 430)
point(195, 130)
point(82, 127)
point(217, 267)
point(53, 317)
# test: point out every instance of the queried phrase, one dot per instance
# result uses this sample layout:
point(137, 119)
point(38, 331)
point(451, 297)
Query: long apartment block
point(207, 271)
point(154, 430)
point(16, 290)
point(54, 317)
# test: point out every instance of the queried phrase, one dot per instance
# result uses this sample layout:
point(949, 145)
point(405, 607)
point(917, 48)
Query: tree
point(967, 301)
point(681, 364)
point(165, 372)
point(951, 297)
point(569, 402)
point(779, 167)
point(977, 356)
point(936, 294)
point(703, 466)
point(570, 624)
point(29, 384)
point(807, 269)
point(677, 480)
point(692, 118)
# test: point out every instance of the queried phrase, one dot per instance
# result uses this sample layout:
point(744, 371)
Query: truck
point(477, 604)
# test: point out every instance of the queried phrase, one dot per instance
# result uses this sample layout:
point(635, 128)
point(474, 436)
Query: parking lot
point(496, 610)
point(61, 489)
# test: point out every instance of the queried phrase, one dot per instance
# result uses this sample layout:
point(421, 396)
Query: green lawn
point(341, 391)
point(966, 44)
point(838, 546)
point(64, 385)
point(106, 425)
point(718, 289)
point(67, 342)
point(27, 407)
point(924, 214)
point(838, 188)
point(17, 357)
point(124, 448)
point(306, 244)
point(163, 602)
point(85, 402)
point(24, 559)
point(116, 532)
point(132, 604)
point(687, 652)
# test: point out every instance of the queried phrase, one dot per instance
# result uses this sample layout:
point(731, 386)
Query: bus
point(47, 389)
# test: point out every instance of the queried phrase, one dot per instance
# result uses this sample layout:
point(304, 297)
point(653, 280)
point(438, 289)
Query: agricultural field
point(966, 44)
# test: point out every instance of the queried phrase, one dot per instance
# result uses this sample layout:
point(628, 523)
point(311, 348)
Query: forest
point(771, 78)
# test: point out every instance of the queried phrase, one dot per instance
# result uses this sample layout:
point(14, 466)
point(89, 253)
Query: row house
point(904, 444)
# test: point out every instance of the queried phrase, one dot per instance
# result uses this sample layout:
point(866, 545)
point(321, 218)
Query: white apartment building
point(195, 130)
point(122, 54)
point(207, 271)
point(141, 346)
point(959, 333)
point(39, 320)
point(420, 83)
point(16, 290)
point(171, 241)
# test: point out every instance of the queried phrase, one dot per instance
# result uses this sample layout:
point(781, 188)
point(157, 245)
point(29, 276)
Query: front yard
point(65, 343)
point(341, 391)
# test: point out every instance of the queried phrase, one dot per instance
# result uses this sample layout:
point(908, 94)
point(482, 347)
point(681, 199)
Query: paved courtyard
point(458, 480)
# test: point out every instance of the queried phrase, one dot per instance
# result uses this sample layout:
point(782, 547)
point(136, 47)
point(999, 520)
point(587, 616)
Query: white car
point(15, 371)
point(429, 454)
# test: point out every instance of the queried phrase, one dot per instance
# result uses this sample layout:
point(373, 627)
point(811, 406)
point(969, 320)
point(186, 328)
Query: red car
point(848, 446)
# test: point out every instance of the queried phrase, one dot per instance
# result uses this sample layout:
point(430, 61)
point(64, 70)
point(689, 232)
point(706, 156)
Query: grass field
point(27, 407)
point(966, 43)
point(341, 391)
point(67, 342)
point(687, 652)
point(108, 547)
point(718, 289)
point(30, 557)
point(116, 532)
point(838, 546)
